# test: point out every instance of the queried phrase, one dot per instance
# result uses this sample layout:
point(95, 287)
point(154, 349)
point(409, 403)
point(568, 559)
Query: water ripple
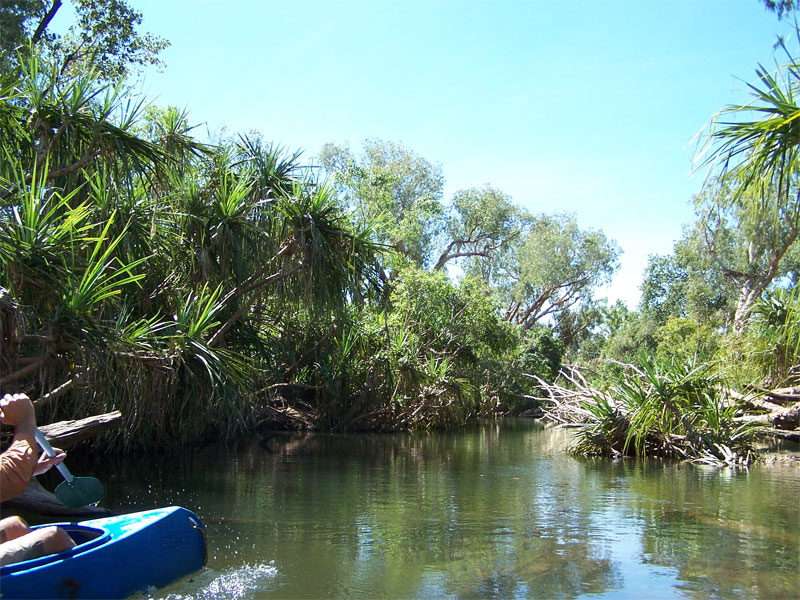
point(233, 584)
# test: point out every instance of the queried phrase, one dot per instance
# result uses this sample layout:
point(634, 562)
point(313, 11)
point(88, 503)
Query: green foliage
point(690, 282)
point(433, 319)
point(152, 273)
point(540, 353)
point(664, 287)
point(103, 38)
point(686, 341)
point(667, 408)
point(393, 187)
point(775, 334)
point(584, 331)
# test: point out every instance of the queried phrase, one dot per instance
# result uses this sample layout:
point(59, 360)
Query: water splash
point(233, 584)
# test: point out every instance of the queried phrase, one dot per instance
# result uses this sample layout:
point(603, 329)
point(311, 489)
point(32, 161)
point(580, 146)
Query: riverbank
point(669, 410)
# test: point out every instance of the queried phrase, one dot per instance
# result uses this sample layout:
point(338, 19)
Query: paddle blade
point(81, 491)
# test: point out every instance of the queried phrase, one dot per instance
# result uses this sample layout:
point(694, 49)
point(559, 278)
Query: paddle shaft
point(48, 449)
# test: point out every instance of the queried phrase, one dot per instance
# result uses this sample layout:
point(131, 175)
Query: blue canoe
point(115, 557)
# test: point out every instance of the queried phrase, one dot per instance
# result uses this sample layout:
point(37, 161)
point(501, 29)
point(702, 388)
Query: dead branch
point(27, 370)
point(60, 390)
point(783, 395)
point(68, 433)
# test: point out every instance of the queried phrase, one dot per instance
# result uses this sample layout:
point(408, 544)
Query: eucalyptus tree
point(481, 223)
point(392, 187)
point(757, 187)
point(557, 266)
point(689, 282)
point(664, 287)
point(751, 240)
point(103, 37)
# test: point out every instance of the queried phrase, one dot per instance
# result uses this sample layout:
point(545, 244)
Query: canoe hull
point(116, 557)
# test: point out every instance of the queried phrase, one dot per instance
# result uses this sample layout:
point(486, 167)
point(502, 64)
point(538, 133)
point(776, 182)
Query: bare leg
point(11, 528)
point(39, 542)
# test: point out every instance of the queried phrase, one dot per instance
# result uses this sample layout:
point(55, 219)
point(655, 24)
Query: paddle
point(73, 492)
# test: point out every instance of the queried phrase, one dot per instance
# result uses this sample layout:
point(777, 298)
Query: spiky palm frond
point(340, 263)
point(76, 122)
point(776, 329)
point(101, 278)
point(39, 231)
point(275, 169)
point(763, 152)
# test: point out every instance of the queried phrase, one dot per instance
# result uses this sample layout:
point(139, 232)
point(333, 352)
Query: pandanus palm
point(69, 161)
point(320, 261)
point(759, 158)
point(74, 124)
point(100, 218)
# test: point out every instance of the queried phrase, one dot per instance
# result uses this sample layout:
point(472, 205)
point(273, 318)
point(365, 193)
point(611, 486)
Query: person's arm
point(16, 469)
point(18, 463)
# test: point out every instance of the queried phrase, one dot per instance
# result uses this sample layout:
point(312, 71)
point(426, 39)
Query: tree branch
point(259, 285)
point(37, 35)
point(60, 390)
point(31, 368)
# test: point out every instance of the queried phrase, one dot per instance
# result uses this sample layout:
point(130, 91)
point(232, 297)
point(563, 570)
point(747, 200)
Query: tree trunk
point(747, 296)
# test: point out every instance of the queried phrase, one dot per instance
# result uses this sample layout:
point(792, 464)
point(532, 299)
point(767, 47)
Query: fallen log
point(68, 433)
point(792, 436)
point(788, 419)
point(751, 403)
point(784, 419)
point(63, 435)
point(784, 395)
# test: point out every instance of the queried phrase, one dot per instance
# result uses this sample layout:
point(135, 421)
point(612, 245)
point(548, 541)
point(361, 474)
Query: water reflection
point(497, 511)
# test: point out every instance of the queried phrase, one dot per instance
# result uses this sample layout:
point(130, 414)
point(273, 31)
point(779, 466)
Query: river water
point(494, 511)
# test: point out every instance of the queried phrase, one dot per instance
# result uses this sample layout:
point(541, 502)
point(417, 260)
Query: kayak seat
point(81, 535)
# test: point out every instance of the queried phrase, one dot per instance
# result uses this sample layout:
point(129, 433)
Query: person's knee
point(39, 542)
point(13, 527)
point(55, 540)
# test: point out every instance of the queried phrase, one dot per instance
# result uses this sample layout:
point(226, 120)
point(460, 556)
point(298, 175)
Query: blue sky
point(582, 106)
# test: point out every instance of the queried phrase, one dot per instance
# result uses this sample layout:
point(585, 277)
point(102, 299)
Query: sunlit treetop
point(104, 36)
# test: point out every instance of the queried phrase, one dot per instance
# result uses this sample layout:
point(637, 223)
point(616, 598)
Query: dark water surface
point(496, 511)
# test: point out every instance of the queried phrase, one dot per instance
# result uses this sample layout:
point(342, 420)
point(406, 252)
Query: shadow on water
point(495, 511)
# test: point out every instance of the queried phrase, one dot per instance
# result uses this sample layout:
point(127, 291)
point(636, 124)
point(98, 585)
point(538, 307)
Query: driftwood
point(783, 419)
point(564, 405)
point(792, 436)
point(68, 433)
point(64, 434)
point(783, 395)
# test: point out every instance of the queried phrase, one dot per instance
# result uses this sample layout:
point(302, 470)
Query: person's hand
point(16, 409)
point(46, 462)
